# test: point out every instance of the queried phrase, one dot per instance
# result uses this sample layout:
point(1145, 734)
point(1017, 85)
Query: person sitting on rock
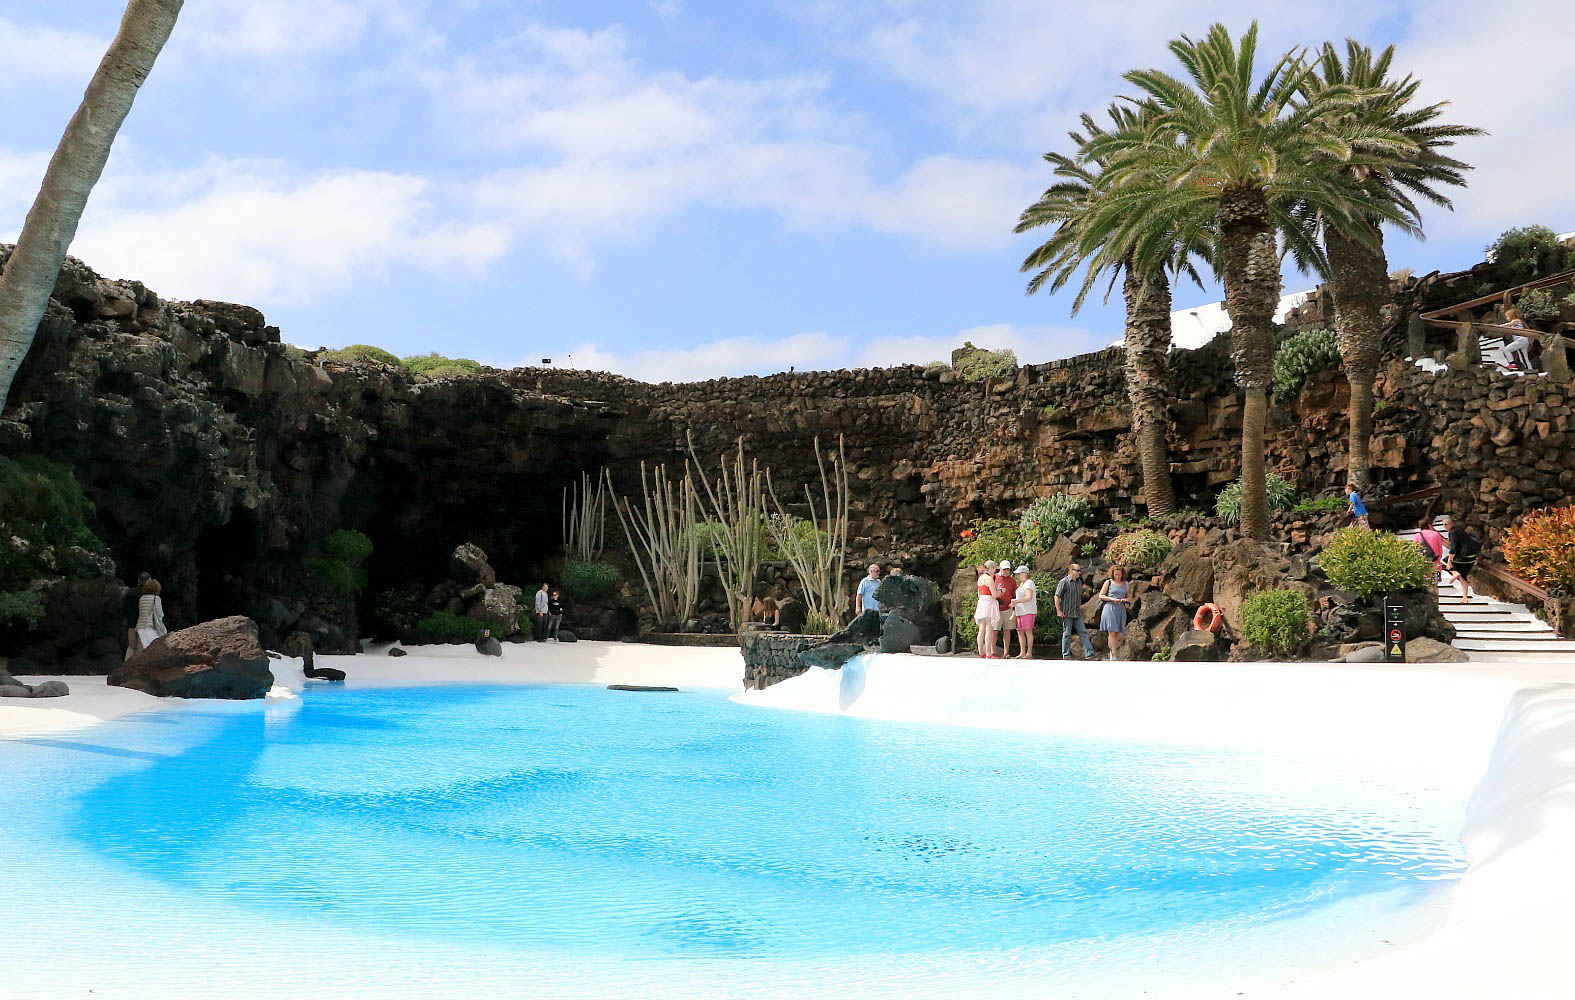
point(554, 615)
point(150, 613)
point(766, 610)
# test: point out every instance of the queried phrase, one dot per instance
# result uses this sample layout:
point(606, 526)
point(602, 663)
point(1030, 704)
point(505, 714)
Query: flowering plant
point(1541, 549)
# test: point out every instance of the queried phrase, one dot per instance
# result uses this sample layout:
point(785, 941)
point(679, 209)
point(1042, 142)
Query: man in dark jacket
point(1464, 548)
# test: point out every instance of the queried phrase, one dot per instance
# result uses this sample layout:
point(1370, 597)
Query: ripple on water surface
point(592, 823)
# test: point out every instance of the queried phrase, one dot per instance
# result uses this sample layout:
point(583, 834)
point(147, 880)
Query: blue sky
point(681, 189)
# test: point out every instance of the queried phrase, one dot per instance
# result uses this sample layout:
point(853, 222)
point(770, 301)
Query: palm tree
point(1253, 156)
point(79, 160)
point(1358, 271)
point(1147, 294)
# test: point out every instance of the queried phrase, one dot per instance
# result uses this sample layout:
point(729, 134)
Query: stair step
point(1516, 645)
point(1485, 633)
point(1526, 627)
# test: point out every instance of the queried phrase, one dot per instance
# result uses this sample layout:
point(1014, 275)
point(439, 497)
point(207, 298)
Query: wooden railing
point(1506, 297)
point(1501, 575)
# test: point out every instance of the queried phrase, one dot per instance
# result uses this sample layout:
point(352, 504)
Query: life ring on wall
point(1212, 623)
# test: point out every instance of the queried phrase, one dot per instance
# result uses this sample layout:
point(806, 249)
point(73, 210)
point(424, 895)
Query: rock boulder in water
point(222, 658)
point(897, 633)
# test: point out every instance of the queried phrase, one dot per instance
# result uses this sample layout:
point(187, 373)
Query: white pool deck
point(1510, 932)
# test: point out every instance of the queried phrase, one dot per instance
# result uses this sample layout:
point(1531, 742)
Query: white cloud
point(255, 231)
point(822, 351)
point(33, 53)
point(607, 147)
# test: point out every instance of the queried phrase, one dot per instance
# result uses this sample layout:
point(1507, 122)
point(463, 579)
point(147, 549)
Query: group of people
point(1454, 552)
point(549, 613)
point(1009, 602)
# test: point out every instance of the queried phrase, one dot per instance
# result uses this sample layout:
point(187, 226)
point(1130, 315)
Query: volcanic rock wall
point(219, 458)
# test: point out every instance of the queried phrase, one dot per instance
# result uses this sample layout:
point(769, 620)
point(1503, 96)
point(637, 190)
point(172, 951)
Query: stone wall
point(772, 657)
point(219, 458)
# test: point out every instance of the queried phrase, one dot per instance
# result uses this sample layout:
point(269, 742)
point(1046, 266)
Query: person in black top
point(1463, 552)
point(554, 615)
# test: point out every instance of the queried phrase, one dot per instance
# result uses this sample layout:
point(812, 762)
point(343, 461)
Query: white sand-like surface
point(1510, 727)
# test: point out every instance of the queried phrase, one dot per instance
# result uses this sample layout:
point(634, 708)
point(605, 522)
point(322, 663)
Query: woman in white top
point(1025, 608)
point(1518, 351)
point(150, 614)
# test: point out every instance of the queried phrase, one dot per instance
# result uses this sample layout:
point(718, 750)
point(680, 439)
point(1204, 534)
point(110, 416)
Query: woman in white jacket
point(150, 614)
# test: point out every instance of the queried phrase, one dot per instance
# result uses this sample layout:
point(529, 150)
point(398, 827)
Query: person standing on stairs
point(1464, 548)
point(1358, 509)
point(1431, 542)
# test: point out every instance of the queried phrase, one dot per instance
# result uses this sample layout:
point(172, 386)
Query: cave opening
point(227, 557)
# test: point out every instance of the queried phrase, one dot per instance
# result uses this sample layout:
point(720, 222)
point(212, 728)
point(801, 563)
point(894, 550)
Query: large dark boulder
point(897, 633)
point(864, 630)
point(1187, 576)
point(1348, 618)
point(831, 655)
point(468, 565)
point(1197, 645)
point(909, 596)
point(793, 614)
point(216, 659)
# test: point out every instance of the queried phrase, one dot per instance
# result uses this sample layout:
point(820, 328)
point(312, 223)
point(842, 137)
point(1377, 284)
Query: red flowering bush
point(1541, 549)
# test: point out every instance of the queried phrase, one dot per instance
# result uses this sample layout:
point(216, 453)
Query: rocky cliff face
point(220, 458)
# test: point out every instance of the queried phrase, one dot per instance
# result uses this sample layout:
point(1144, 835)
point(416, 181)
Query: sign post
point(1394, 630)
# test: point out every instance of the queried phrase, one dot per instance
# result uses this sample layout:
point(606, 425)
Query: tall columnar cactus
point(664, 542)
point(585, 518)
point(818, 561)
point(736, 503)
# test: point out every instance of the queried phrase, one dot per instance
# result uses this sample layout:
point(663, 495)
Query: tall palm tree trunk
point(1359, 279)
point(78, 162)
point(1251, 271)
point(1148, 376)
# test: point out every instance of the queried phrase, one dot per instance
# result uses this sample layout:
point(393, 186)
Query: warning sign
point(1394, 621)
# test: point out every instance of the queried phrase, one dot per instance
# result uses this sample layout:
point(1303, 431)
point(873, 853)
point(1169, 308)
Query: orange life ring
point(1213, 625)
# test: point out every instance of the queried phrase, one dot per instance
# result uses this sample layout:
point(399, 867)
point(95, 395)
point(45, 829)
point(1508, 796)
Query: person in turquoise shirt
point(865, 601)
point(1358, 509)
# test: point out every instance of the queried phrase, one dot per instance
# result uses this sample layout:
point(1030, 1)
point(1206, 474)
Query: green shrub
point(992, 540)
point(44, 535)
point(1525, 253)
point(1320, 505)
point(816, 623)
point(339, 566)
point(525, 621)
point(980, 364)
point(1276, 621)
point(1142, 549)
point(395, 613)
point(22, 606)
point(586, 581)
point(1282, 496)
point(1538, 306)
point(1045, 518)
point(1301, 356)
point(1372, 562)
point(357, 353)
point(447, 627)
point(433, 366)
point(803, 534)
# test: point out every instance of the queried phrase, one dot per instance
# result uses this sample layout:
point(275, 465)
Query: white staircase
point(1491, 627)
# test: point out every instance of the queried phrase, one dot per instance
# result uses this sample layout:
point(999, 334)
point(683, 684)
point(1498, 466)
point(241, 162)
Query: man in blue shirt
point(1358, 509)
point(865, 601)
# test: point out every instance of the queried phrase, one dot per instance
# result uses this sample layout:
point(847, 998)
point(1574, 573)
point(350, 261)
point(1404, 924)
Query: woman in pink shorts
point(1025, 605)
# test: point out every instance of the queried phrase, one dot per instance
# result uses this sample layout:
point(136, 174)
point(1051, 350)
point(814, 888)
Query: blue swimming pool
point(583, 829)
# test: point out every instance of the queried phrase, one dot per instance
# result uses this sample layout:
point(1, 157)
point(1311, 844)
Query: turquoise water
point(588, 825)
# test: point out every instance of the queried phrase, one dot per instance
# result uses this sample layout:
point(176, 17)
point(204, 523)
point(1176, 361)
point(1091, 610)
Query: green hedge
point(1276, 621)
point(339, 566)
point(447, 627)
point(360, 352)
point(992, 540)
point(586, 581)
point(980, 364)
point(1372, 562)
point(437, 366)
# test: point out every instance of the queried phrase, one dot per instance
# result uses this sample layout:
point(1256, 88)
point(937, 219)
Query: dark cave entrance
point(227, 558)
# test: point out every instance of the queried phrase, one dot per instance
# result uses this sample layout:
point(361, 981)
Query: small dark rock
point(323, 673)
point(564, 635)
point(1196, 645)
point(396, 651)
point(489, 645)
point(15, 691)
point(943, 645)
point(638, 687)
point(51, 689)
